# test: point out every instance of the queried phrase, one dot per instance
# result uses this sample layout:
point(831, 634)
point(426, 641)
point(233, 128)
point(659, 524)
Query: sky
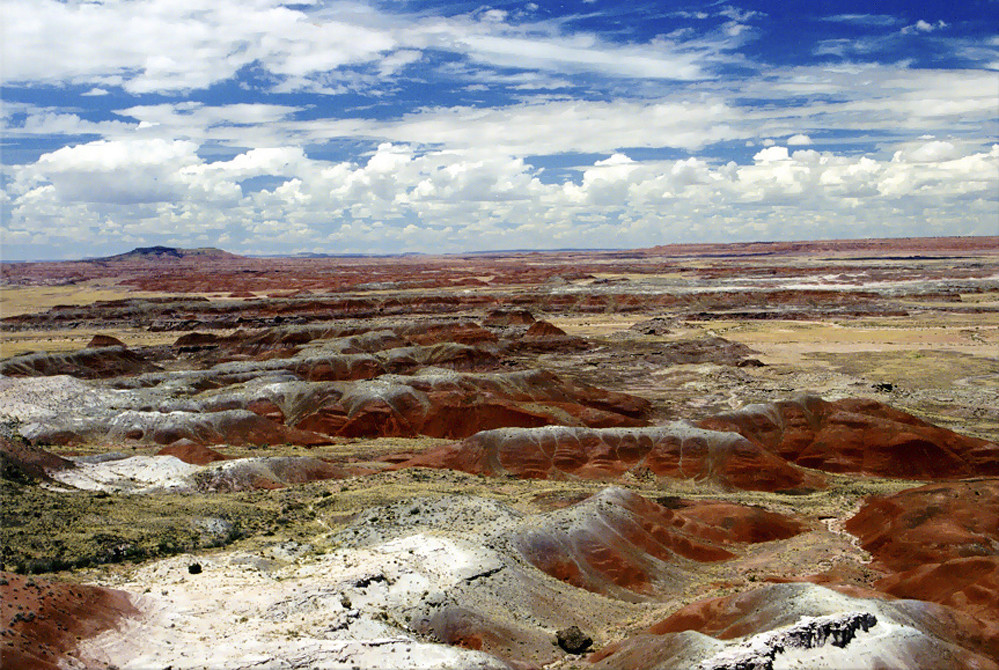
point(271, 127)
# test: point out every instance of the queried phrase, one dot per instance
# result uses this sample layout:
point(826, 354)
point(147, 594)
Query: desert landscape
point(716, 456)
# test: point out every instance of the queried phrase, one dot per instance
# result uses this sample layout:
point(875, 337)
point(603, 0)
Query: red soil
point(679, 452)
point(930, 524)
point(456, 406)
point(104, 341)
point(939, 541)
point(974, 642)
point(967, 584)
point(192, 453)
point(620, 544)
point(43, 620)
point(464, 628)
point(20, 459)
point(862, 436)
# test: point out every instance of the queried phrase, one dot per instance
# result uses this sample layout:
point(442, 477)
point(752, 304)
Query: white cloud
point(150, 46)
point(922, 26)
point(553, 127)
point(400, 198)
point(771, 154)
point(116, 172)
point(799, 140)
point(864, 19)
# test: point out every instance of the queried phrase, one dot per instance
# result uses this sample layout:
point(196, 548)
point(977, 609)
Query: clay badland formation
point(706, 456)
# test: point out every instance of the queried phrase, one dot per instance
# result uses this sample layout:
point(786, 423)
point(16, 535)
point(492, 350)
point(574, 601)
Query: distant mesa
point(159, 253)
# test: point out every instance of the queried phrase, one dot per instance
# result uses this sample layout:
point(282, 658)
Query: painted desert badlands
point(756, 456)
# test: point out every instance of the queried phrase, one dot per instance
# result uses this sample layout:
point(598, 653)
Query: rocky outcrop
point(676, 450)
point(860, 436)
point(809, 625)
point(761, 651)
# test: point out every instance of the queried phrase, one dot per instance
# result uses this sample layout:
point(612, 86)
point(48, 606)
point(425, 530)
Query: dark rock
point(658, 325)
point(194, 568)
point(573, 640)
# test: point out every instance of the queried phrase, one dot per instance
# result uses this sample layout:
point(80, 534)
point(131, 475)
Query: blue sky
point(262, 126)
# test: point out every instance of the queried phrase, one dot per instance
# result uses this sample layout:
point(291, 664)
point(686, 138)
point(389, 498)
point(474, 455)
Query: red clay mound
point(464, 628)
point(42, 620)
point(189, 452)
point(274, 472)
point(930, 524)
point(940, 539)
point(508, 317)
point(455, 405)
point(98, 363)
point(435, 332)
point(104, 341)
point(197, 340)
point(738, 523)
point(967, 584)
point(544, 336)
point(937, 636)
point(620, 544)
point(715, 350)
point(236, 427)
point(859, 436)
point(542, 330)
point(677, 450)
point(20, 461)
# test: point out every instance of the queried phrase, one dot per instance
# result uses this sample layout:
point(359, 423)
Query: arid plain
point(769, 455)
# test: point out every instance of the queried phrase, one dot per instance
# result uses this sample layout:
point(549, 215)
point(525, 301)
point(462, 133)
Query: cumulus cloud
point(401, 198)
point(528, 86)
point(116, 172)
